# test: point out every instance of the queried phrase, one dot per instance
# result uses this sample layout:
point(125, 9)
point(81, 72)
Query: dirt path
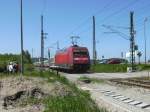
point(75, 76)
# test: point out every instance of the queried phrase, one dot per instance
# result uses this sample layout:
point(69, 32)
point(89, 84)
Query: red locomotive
point(74, 58)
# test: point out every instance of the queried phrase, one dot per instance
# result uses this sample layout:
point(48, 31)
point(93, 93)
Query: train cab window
point(80, 53)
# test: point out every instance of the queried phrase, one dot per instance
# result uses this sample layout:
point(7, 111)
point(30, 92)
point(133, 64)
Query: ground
point(43, 92)
point(75, 76)
point(104, 91)
point(17, 94)
point(26, 94)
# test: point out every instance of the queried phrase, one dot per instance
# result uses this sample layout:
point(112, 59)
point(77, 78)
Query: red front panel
point(81, 55)
point(64, 58)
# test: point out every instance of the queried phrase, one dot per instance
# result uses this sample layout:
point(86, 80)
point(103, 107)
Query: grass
point(113, 68)
point(93, 80)
point(143, 67)
point(109, 68)
point(80, 101)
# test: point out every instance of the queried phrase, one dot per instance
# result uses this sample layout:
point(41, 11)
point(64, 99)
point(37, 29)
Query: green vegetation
point(143, 67)
point(109, 68)
point(80, 103)
point(93, 80)
point(6, 58)
point(112, 68)
point(77, 101)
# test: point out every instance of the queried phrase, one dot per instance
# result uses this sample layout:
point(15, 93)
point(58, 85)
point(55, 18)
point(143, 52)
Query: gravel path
point(114, 104)
point(107, 101)
point(74, 77)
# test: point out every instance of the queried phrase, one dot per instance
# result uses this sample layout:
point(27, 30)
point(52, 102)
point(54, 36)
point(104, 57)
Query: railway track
point(133, 82)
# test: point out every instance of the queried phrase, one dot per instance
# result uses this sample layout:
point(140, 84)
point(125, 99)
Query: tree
point(27, 57)
point(139, 54)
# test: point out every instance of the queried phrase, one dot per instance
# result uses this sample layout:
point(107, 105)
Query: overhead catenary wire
point(89, 18)
point(126, 37)
point(111, 15)
point(86, 21)
point(115, 13)
point(120, 10)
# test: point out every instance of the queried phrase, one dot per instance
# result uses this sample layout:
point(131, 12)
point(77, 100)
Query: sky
point(66, 18)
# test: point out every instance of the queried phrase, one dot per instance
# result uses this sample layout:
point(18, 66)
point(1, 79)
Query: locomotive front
point(81, 58)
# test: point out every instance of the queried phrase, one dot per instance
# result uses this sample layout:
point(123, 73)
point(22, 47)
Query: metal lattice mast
point(132, 41)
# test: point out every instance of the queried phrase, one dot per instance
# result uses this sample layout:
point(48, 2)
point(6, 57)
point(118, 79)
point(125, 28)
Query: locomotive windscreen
point(80, 53)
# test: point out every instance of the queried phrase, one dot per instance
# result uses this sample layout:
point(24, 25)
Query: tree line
point(6, 58)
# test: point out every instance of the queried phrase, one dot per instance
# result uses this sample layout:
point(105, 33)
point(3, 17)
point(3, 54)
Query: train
point(73, 58)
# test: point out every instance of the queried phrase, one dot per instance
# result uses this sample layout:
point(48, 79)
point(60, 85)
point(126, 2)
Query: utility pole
point(42, 44)
point(132, 42)
point(21, 23)
point(145, 39)
point(94, 42)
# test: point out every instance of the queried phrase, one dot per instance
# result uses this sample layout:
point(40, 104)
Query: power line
point(126, 37)
point(98, 12)
point(120, 27)
point(120, 10)
point(116, 12)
